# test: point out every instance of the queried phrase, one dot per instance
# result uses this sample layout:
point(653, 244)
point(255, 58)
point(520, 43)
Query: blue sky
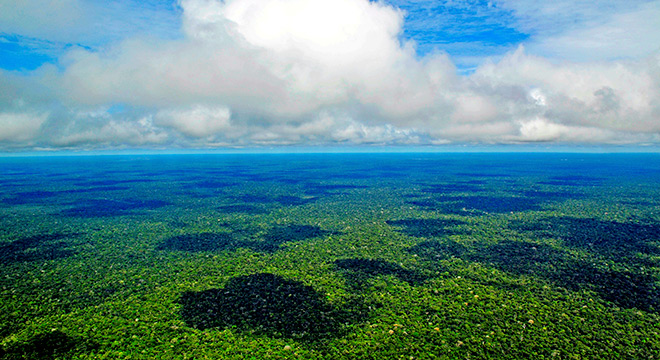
point(466, 31)
point(92, 74)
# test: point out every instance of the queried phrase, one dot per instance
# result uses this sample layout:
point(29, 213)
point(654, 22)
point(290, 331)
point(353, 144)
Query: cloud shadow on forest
point(427, 227)
point(358, 271)
point(271, 241)
point(110, 208)
point(629, 289)
point(267, 304)
point(40, 247)
point(49, 345)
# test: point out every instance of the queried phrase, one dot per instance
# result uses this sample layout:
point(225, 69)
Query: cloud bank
point(317, 72)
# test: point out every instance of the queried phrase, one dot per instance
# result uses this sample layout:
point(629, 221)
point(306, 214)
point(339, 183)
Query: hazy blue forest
point(330, 256)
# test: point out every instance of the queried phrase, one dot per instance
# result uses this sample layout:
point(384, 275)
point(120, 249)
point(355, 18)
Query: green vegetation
point(230, 258)
point(263, 303)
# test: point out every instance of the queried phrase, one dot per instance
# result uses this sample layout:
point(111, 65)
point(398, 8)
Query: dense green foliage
point(339, 257)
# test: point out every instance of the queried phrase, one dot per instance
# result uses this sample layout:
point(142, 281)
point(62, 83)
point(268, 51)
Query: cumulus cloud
point(338, 128)
point(285, 58)
point(616, 95)
point(197, 121)
point(319, 72)
point(98, 128)
point(16, 127)
point(542, 130)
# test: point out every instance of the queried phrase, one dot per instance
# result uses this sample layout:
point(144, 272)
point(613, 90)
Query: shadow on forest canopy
point(271, 241)
point(36, 197)
point(39, 247)
point(266, 304)
point(452, 188)
point(112, 182)
point(284, 200)
point(213, 184)
point(464, 205)
point(279, 235)
point(525, 199)
point(358, 270)
point(108, 208)
point(573, 180)
point(613, 239)
point(427, 227)
point(201, 242)
point(49, 345)
point(242, 208)
point(330, 189)
point(630, 289)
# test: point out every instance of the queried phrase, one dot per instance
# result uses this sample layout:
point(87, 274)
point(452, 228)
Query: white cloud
point(326, 128)
point(474, 108)
point(153, 73)
point(630, 34)
point(615, 95)
point(17, 127)
point(240, 54)
point(115, 134)
point(317, 72)
point(490, 132)
point(47, 19)
point(87, 22)
point(196, 121)
point(541, 130)
point(584, 30)
point(97, 127)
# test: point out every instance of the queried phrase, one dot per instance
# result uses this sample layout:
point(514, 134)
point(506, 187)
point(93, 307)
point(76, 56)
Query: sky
point(90, 75)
